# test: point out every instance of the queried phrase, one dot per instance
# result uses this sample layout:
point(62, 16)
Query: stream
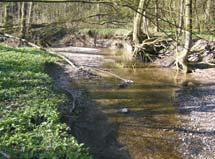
point(166, 118)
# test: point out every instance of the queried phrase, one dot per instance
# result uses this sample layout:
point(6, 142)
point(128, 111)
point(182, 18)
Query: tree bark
point(208, 14)
point(30, 16)
point(188, 25)
point(145, 25)
point(182, 56)
point(6, 17)
point(157, 16)
point(138, 22)
point(23, 19)
point(198, 23)
point(181, 15)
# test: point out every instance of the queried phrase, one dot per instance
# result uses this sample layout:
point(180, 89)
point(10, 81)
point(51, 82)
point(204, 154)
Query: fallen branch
point(64, 58)
point(41, 48)
point(114, 75)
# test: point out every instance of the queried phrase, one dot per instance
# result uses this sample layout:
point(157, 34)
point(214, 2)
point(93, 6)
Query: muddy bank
point(87, 122)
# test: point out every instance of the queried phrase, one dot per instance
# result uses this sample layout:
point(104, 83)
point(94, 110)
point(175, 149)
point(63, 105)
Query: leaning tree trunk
point(138, 23)
point(23, 19)
point(182, 56)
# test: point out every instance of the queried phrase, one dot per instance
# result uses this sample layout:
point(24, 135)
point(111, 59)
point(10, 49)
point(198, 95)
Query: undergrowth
point(30, 124)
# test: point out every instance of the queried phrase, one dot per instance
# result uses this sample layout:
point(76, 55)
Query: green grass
point(210, 36)
point(108, 32)
point(30, 125)
point(206, 36)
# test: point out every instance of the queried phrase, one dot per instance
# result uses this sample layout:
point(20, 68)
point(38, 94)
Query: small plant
point(30, 124)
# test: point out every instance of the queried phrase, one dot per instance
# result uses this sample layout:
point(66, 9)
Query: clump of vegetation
point(30, 124)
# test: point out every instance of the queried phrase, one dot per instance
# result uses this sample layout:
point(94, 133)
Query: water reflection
point(147, 131)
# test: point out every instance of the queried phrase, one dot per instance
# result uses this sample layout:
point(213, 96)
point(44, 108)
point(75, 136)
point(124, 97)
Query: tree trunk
point(157, 16)
point(6, 17)
point(198, 23)
point(138, 23)
point(188, 25)
point(181, 16)
point(145, 25)
point(208, 14)
point(30, 16)
point(19, 9)
point(182, 56)
point(23, 19)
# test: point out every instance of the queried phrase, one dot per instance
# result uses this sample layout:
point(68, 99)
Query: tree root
point(140, 49)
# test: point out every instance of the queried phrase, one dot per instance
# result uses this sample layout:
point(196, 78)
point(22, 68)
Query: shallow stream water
point(150, 128)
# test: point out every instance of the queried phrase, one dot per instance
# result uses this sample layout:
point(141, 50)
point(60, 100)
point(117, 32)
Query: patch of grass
point(30, 124)
point(210, 36)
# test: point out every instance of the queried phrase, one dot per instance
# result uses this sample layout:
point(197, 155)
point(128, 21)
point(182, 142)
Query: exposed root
point(141, 49)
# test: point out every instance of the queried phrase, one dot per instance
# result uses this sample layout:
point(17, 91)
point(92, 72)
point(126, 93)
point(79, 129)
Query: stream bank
point(87, 122)
point(162, 129)
point(165, 119)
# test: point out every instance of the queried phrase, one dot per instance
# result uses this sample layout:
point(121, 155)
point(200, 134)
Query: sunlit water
point(147, 130)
